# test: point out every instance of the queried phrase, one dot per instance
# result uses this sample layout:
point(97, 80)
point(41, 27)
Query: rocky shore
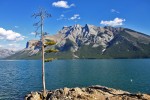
point(89, 93)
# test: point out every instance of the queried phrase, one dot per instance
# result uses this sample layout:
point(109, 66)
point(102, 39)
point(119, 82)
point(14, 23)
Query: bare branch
point(35, 15)
point(45, 33)
point(36, 24)
point(36, 33)
point(42, 14)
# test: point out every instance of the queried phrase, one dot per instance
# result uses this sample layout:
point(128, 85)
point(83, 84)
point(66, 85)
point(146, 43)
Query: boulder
point(89, 93)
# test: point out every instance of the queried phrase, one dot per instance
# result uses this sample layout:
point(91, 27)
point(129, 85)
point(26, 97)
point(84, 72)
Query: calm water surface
point(19, 77)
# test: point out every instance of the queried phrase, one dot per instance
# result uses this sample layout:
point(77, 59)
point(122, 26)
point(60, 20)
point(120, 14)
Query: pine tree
point(42, 14)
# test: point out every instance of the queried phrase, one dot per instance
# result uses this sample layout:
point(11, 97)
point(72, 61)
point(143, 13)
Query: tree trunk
point(43, 65)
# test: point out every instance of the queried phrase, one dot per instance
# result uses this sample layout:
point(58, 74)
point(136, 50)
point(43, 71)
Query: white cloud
point(62, 16)
point(33, 33)
point(62, 4)
point(114, 11)
point(1, 46)
point(10, 35)
point(16, 26)
point(115, 22)
point(75, 16)
point(14, 46)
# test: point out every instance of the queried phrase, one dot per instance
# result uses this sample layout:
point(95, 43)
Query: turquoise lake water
point(19, 77)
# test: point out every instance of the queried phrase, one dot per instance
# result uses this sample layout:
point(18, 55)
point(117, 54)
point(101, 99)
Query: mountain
point(90, 41)
point(6, 52)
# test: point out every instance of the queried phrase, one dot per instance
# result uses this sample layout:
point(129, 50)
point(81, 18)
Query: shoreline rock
point(96, 92)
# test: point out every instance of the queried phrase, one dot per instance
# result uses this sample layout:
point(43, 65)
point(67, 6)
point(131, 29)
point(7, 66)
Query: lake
point(19, 77)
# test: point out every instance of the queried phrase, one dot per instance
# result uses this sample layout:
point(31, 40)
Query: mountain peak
point(77, 25)
point(90, 41)
point(66, 27)
point(89, 26)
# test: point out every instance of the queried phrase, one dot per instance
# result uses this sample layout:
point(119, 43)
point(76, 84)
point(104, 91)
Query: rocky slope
point(90, 41)
point(89, 93)
point(5, 53)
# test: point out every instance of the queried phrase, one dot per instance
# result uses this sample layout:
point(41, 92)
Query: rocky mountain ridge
point(6, 52)
point(90, 41)
point(84, 35)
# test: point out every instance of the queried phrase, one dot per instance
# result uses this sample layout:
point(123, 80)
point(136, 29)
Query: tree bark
point(43, 64)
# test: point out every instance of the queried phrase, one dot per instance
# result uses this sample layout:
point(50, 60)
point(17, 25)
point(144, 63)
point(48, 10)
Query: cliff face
point(31, 44)
point(81, 35)
point(90, 41)
point(89, 93)
point(95, 36)
point(78, 36)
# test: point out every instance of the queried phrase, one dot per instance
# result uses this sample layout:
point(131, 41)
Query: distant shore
point(88, 93)
point(75, 58)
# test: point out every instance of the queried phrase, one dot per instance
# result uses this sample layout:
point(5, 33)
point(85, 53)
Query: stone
point(89, 93)
point(35, 96)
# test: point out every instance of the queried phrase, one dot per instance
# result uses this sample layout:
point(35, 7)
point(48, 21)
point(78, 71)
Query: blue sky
point(16, 23)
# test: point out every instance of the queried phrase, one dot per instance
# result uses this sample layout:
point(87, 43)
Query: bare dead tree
point(42, 14)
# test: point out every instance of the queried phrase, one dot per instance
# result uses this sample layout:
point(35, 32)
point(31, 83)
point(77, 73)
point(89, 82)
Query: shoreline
point(76, 59)
point(95, 92)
